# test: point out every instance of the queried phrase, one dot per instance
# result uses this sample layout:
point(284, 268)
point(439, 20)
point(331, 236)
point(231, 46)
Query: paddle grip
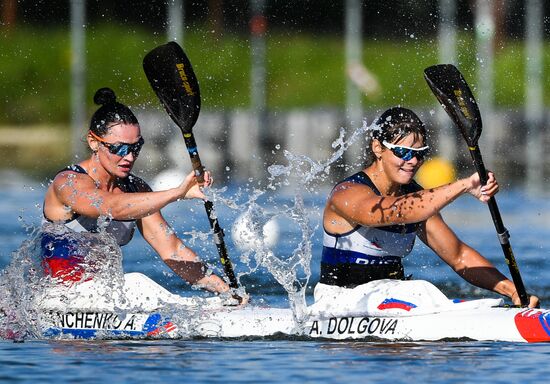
point(502, 232)
point(218, 234)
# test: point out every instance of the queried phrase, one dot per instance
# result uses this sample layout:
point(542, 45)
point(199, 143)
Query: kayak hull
point(482, 324)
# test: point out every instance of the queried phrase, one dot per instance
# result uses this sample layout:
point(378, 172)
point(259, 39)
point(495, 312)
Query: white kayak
point(144, 309)
point(480, 323)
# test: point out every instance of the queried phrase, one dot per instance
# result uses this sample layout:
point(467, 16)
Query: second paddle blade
point(452, 91)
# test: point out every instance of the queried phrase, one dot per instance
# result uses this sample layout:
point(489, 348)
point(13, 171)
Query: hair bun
point(104, 96)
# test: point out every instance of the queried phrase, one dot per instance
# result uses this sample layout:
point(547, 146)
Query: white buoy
point(271, 233)
point(169, 178)
point(245, 233)
point(174, 175)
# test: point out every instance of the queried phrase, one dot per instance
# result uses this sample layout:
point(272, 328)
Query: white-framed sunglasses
point(407, 153)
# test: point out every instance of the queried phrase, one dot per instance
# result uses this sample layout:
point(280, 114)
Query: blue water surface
point(272, 362)
point(300, 361)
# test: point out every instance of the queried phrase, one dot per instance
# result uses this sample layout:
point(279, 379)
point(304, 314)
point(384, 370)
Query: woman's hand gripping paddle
point(452, 91)
point(172, 78)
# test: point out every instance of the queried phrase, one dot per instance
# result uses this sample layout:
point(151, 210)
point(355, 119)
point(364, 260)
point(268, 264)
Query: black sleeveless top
point(122, 230)
point(367, 253)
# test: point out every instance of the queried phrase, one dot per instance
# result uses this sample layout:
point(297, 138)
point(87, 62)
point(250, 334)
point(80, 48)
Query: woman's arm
point(358, 204)
point(466, 261)
point(81, 195)
point(181, 259)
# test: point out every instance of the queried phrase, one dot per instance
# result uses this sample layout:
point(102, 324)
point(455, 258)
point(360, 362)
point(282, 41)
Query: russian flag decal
point(396, 304)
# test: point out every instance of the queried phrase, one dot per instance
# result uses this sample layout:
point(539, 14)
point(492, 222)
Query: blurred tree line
point(380, 17)
point(305, 51)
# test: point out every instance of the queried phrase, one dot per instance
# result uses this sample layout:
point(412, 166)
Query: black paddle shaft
point(502, 232)
point(212, 218)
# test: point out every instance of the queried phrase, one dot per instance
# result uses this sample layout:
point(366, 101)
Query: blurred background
point(275, 75)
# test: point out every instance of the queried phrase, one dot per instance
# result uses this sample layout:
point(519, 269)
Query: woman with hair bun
point(101, 193)
point(371, 221)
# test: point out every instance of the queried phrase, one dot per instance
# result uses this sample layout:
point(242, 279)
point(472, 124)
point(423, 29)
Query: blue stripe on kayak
point(153, 322)
point(91, 333)
point(543, 318)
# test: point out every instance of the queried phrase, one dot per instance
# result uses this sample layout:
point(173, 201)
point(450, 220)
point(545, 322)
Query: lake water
point(286, 360)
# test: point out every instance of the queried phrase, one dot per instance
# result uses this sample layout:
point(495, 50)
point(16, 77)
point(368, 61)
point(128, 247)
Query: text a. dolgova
point(353, 326)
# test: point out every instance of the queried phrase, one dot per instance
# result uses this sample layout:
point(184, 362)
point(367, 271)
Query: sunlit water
point(269, 274)
point(291, 360)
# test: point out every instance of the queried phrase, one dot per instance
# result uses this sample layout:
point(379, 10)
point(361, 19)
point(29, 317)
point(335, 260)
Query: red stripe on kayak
point(165, 328)
point(533, 325)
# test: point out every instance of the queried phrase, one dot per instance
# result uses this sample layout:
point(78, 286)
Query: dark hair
point(393, 125)
point(110, 112)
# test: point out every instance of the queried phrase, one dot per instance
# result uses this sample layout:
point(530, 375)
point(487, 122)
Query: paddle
point(452, 91)
point(171, 76)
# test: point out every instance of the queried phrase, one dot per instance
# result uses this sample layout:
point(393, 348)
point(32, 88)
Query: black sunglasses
point(121, 149)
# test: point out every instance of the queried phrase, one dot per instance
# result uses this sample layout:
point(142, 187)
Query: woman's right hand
point(237, 300)
point(534, 301)
point(190, 187)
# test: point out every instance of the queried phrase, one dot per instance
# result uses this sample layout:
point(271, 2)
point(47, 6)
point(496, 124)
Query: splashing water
point(16, 304)
point(29, 285)
point(300, 173)
point(305, 170)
